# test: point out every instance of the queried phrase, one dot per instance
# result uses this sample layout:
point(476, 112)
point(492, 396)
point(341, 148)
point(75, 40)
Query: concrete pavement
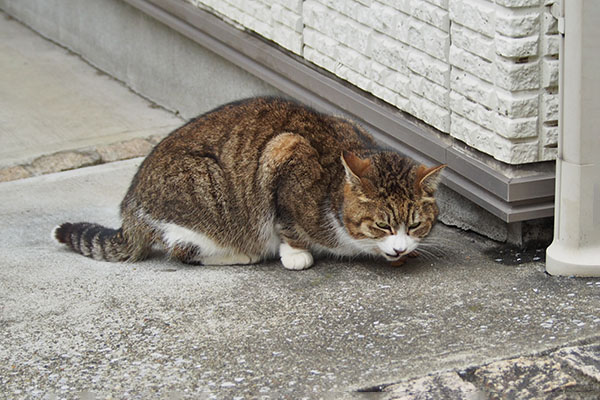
point(473, 320)
point(71, 324)
point(52, 101)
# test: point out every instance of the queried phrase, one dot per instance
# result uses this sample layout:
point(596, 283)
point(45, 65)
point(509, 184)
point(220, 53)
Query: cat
point(265, 177)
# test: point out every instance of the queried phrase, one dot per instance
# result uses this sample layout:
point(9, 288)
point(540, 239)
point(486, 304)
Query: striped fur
point(264, 177)
point(93, 240)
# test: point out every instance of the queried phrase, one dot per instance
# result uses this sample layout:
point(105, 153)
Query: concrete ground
point(474, 320)
point(52, 101)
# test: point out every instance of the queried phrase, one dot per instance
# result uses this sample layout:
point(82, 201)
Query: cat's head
point(388, 202)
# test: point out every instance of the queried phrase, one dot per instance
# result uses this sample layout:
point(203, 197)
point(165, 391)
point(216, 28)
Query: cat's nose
point(399, 251)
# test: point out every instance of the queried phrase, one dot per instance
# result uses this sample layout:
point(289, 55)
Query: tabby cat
point(263, 177)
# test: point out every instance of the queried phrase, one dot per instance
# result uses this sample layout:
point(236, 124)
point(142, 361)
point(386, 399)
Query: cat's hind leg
point(190, 254)
point(187, 254)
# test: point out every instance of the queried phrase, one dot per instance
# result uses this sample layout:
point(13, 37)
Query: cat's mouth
point(393, 257)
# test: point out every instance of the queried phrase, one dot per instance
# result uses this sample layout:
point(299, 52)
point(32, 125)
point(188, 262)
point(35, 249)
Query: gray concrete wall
point(150, 58)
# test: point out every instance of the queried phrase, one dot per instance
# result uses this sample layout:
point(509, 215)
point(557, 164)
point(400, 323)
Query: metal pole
point(576, 247)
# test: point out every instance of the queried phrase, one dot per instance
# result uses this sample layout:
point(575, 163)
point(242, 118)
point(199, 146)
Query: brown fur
point(233, 171)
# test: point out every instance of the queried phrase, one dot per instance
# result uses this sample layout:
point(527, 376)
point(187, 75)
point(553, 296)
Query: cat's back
point(248, 122)
point(232, 140)
point(243, 128)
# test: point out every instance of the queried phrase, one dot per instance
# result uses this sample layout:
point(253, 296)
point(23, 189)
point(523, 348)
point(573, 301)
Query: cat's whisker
point(433, 251)
point(440, 240)
point(435, 246)
point(426, 254)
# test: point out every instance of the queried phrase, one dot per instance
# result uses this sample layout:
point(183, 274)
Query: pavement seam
point(65, 160)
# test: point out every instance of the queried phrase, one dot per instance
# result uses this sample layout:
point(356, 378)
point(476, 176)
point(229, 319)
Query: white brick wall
point(277, 20)
point(483, 71)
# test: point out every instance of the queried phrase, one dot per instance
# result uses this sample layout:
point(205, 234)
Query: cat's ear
point(427, 179)
point(355, 166)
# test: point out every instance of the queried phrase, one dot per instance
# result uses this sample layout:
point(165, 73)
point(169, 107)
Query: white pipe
point(576, 247)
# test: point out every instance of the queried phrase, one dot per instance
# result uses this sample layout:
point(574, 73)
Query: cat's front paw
point(295, 259)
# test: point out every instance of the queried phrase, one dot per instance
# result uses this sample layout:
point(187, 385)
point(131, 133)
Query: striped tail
point(93, 240)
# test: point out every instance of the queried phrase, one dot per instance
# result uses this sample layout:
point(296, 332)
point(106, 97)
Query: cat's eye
point(383, 225)
point(414, 225)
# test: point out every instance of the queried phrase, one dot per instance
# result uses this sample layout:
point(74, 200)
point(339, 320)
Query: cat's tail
point(95, 241)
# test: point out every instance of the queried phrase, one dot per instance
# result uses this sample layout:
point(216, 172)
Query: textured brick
point(382, 18)
point(440, 3)
point(431, 14)
point(549, 23)
point(320, 42)
point(516, 25)
point(512, 128)
point(428, 39)
point(351, 33)
point(474, 15)
point(515, 152)
point(472, 111)
point(228, 10)
point(473, 42)
point(549, 109)
point(549, 45)
point(287, 37)
point(354, 77)
point(287, 17)
point(388, 52)
point(256, 25)
point(472, 134)
point(514, 76)
point(430, 112)
point(429, 67)
point(400, 5)
point(517, 105)
point(549, 76)
point(350, 9)
point(493, 71)
point(293, 5)
point(384, 93)
point(549, 135)
point(429, 90)
point(399, 83)
point(548, 154)
point(474, 64)
point(518, 3)
point(315, 15)
point(378, 73)
point(473, 88)
point(353, 59)
point(319, 59)
point(402, 103)
point(516, 47)
point(257, 9)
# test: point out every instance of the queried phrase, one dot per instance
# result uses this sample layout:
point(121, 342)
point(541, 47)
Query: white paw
point(295, 259)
